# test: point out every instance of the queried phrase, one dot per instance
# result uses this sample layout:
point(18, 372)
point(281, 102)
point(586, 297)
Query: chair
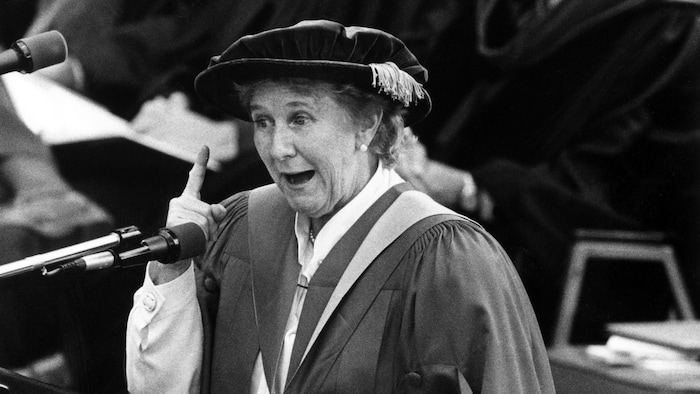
point(615, 246)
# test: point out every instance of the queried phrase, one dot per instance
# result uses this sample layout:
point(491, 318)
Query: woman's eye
point(261, 123)
point(300, 120)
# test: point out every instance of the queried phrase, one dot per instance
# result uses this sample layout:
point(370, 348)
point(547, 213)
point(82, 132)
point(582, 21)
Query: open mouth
point(299, 178)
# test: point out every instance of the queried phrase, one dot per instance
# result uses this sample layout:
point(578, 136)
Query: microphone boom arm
point(41, 261)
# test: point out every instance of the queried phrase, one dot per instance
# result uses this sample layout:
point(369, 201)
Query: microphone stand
point(41, 261)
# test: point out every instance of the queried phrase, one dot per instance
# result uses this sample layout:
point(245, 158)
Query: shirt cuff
point(156, 302)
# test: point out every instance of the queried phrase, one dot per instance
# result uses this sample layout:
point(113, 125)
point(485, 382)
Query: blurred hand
point(412, 163)
point(445, 184)
point(55, 214)
point(441, 182)
point(189, 207)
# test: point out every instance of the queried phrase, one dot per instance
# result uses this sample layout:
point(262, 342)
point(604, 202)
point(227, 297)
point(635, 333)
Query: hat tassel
point(400, 85)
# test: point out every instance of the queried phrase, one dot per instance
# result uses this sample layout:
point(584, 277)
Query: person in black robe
point(572, 115)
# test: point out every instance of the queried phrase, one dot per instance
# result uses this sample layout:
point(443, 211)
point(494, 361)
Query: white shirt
point(164, 331)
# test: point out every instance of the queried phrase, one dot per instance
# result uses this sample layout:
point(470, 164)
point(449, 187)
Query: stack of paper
point(671, 347)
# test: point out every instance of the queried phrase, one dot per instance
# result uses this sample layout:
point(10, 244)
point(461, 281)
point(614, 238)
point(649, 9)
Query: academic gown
point(440, 310)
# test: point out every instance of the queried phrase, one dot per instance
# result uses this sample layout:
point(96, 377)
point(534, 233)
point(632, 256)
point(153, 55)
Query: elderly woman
point(339, 277)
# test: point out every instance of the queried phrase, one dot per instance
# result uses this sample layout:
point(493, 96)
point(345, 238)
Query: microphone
point(120, 237)
point(29, 54)
point(169, 245)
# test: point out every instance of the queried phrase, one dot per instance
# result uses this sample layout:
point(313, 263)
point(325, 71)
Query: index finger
point(195, 179)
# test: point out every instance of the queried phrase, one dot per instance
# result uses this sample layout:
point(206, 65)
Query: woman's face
point(310, 146)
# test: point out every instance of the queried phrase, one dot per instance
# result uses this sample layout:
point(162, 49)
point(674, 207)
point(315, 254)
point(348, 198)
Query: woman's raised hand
point(189, 207)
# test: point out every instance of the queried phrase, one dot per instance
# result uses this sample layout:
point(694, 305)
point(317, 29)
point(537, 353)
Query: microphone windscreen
point(192, 239)
point(46, 49)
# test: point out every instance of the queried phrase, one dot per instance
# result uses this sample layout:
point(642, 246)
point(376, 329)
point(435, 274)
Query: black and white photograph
point(335, 196)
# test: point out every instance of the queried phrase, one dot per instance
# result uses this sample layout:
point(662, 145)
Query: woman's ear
point(368, 129)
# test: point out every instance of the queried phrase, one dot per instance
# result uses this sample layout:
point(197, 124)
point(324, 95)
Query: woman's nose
point(282, 144)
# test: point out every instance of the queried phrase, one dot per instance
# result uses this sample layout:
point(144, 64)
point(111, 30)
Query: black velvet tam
point(370, 59)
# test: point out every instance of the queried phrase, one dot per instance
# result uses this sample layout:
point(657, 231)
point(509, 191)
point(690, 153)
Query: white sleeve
point(164, 337)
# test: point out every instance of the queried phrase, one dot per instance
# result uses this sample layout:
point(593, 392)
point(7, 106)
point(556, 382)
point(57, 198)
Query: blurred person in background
point(39, 211)
point(572, 114)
